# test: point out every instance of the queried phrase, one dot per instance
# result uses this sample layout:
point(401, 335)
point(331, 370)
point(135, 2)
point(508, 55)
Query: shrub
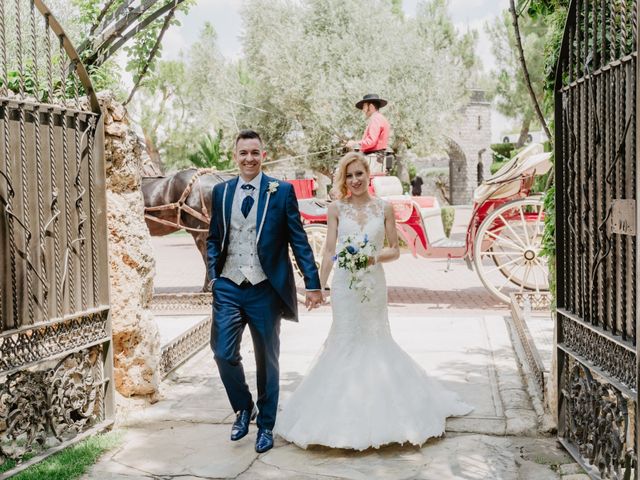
point(502, 151)
point(448, 214)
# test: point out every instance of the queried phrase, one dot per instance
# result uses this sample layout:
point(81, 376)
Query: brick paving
point(415, 284)
point(420, 284)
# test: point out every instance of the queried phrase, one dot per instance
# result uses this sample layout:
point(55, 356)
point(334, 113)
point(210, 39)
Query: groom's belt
point(246, 283)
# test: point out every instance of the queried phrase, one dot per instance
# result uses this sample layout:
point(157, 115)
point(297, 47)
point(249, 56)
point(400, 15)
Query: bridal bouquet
point(353, 255)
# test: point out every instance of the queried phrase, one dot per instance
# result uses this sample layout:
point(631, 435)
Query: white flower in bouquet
point(353, 256)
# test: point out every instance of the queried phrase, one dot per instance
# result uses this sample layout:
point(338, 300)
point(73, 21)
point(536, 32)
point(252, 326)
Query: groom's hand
point(313, 299)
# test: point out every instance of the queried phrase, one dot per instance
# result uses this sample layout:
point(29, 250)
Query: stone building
point(468, 148)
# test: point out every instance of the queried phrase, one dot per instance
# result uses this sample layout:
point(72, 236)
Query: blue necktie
point(247, 203)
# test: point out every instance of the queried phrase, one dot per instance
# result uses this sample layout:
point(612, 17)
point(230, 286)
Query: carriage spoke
point(500, 267)
point(513, 231)
point(499, 253)
point(539, 222)
point(535, 280)
point(534, 238)
point(526, 277)
point(524, 226)
point(509, 278)
point(503, 240)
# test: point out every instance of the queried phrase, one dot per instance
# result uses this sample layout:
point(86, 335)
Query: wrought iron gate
point(55, 357)
point(596, 165)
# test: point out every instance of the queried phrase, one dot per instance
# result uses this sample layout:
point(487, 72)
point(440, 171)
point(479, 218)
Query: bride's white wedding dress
point(363, 390)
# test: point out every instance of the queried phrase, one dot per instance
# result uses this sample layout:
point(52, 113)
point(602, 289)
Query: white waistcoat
point(242, 254)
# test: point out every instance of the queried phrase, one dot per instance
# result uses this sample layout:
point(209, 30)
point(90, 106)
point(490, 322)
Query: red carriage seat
point(303, 187)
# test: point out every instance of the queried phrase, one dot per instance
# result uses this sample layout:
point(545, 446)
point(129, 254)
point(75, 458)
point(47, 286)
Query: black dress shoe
point(264, 440)
point(241, 426)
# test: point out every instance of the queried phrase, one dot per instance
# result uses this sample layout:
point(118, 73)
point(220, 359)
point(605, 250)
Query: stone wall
point(136, 342)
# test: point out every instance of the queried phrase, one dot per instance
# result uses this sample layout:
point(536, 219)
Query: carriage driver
point(376, 136)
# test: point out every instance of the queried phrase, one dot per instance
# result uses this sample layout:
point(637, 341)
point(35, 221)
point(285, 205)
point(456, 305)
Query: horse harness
point(181, 206)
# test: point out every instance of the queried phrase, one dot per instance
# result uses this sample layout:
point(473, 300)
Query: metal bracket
point(623, 217)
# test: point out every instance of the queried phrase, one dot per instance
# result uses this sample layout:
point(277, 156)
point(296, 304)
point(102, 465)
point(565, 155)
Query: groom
point(254, 220)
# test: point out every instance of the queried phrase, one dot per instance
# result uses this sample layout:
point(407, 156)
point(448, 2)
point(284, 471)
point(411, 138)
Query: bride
point(363, 389)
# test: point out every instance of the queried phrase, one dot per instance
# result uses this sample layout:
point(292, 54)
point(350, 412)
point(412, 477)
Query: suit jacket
point(278, 225)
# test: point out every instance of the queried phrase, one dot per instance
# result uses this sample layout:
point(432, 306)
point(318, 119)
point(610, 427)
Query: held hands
point(313, 299)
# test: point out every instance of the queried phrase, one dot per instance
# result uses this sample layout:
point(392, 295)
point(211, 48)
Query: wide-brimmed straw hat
point(371, 98)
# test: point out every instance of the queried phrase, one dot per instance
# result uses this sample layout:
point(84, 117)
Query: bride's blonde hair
point(340, 189)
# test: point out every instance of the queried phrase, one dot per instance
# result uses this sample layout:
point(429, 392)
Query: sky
point(225, 17)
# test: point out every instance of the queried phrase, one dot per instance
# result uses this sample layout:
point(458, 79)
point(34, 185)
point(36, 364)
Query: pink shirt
point(376, 135)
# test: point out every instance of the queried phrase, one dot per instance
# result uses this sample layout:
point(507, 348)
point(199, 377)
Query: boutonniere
point(273, 186)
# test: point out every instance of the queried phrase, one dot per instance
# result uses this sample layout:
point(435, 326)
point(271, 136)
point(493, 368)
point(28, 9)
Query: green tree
point(161, 112)
point(553, 13)
point(103, 27)
point(210, 153)
point(184, 100)
point(307, 62)
point(510, 91)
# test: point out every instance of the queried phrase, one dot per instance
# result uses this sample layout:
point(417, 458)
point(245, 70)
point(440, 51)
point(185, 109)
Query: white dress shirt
point(240, 194)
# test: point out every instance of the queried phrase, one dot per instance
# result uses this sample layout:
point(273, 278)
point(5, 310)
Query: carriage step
point(448, 243)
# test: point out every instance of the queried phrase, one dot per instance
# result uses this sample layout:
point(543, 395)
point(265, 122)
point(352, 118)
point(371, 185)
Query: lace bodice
point(358, 221)
point(353, 317)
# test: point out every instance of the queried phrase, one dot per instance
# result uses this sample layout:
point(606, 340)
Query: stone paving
point(458, 334)
point(185, 435)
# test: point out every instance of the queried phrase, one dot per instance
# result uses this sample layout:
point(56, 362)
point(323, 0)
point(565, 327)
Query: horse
point(182, 201)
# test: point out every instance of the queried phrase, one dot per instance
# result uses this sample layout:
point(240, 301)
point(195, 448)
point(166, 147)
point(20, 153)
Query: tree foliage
point(210, 153)
point(185, 100)
point(308, 62)
point(142, 50)
point(541, 25)
point(305, 64)
point(554, 13)
point(511, 93)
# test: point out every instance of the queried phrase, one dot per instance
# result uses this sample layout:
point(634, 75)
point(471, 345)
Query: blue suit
point(260, 306)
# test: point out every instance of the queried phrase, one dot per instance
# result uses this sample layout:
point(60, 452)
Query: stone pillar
point(136, 342)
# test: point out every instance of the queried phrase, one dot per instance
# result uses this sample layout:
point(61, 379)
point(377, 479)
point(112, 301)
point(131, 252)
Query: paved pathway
point(186, 433)
point(446, 321)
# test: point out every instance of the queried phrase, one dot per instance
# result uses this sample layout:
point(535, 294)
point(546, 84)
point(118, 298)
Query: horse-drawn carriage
point(503, 238)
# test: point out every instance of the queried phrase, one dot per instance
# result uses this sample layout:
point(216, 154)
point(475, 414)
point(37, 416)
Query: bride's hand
point(325, 296)
point(371, 262)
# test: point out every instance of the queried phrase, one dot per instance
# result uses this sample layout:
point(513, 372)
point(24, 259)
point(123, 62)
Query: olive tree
point(308, 62)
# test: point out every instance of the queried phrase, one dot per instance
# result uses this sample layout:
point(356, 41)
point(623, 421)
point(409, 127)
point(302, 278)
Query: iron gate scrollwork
point(55, 332)
point(596, 167)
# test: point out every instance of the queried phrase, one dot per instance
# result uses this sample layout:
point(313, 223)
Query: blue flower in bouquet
point(351, 249)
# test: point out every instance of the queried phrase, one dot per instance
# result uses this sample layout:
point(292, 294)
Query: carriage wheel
point(507, 249)
point(317, 234)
